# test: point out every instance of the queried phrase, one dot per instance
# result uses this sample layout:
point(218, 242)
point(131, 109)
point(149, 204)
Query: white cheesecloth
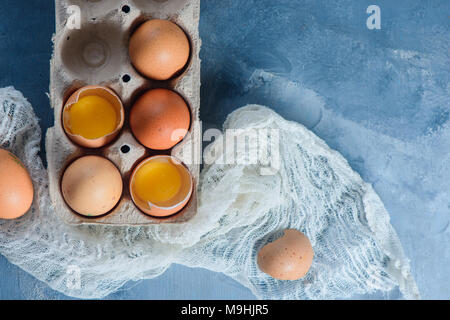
point(315, 191)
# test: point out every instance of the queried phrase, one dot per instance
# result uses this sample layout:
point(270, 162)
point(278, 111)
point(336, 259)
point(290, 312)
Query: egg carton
point(97, 54)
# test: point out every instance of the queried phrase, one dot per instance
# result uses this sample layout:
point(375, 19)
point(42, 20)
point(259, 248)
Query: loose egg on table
point(16, 187)
point(161, 186)
point(160, 119)
point(93, 116)
point(287, 258)
point(159, 49)
point(92, 186)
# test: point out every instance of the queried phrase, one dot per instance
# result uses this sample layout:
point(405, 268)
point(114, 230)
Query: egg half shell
point(100, 91)
point(92, 186)
point(16, 187)
point(178, 203)
point(287, 258)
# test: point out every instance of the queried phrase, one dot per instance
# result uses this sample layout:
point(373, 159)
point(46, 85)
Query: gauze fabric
point(313, 190)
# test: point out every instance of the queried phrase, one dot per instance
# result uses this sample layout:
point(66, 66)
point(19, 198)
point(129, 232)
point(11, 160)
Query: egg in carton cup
point(91, 58)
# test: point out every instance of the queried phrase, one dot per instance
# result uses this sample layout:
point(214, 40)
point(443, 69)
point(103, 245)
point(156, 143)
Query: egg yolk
point(92, 117)
point(157, 182)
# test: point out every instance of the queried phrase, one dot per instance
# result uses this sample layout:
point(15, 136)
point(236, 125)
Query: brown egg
point(92, 186)
point(287, 258)
point(16, 188)
point(159, 49)
point(101, 109)
point(160, 119)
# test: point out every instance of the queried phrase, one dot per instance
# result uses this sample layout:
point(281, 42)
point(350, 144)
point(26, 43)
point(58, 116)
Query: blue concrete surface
point(380, 97)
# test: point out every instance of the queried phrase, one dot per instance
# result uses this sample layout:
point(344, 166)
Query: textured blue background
point(380, 97)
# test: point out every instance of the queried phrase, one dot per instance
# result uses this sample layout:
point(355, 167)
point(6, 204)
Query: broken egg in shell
point(161, 186)
point(93, 116)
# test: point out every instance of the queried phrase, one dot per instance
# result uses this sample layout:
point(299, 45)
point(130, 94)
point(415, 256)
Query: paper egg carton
point(97, 54)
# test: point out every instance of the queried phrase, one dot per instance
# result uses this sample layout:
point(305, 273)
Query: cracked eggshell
point(100, 91)
point(287, 258)
point(174, 206)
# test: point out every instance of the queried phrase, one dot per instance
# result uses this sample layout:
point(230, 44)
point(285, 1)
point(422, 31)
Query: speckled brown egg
point(287, 258)
point(160, 119)
point(159, 49)
point(16, 188)
point(92, 186)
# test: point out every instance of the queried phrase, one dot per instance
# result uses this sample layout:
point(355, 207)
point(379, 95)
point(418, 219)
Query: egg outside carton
point(111, 27)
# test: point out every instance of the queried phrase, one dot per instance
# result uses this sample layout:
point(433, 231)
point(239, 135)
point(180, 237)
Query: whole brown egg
point(160, 119)
point(159, 49)
point(287, 258)
point(16, 188)
point(92, 186)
